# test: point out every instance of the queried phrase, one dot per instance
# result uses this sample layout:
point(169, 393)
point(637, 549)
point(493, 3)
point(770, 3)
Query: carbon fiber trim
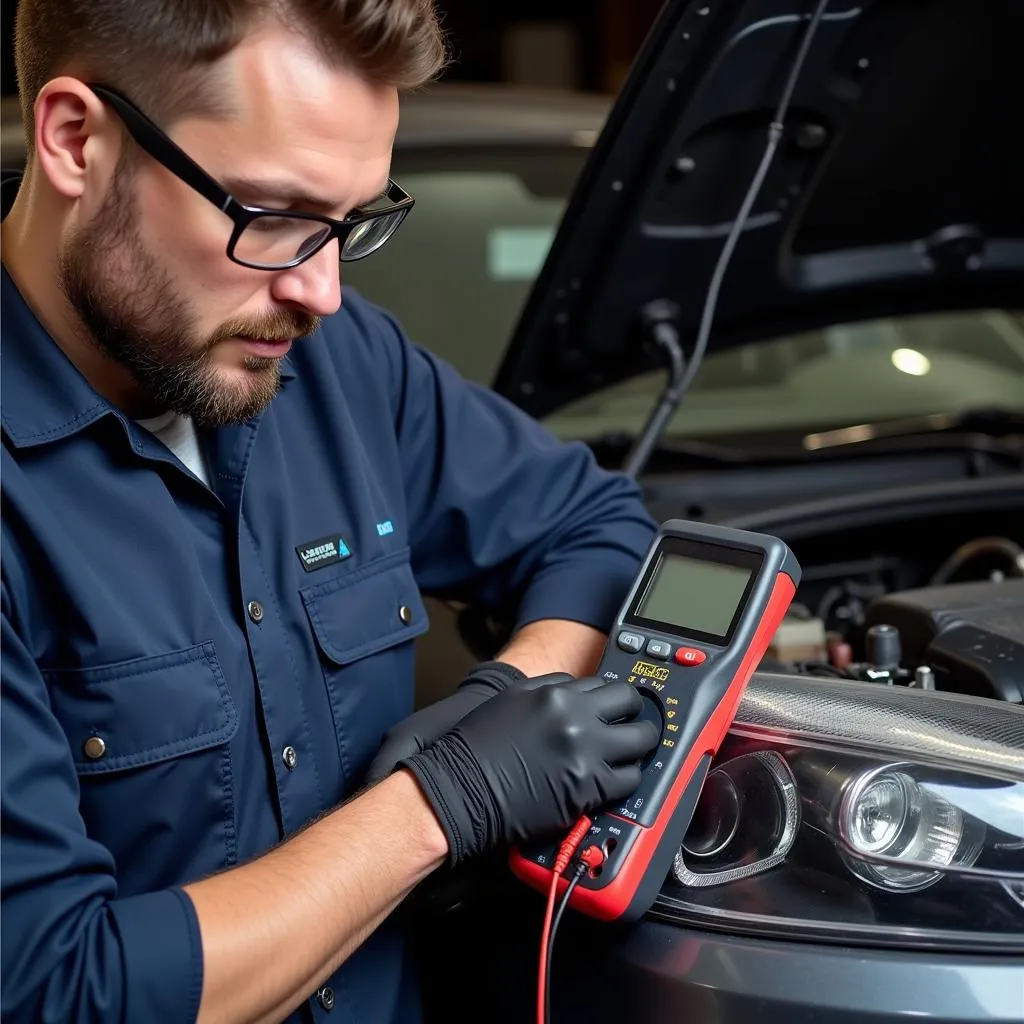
point(969, 732)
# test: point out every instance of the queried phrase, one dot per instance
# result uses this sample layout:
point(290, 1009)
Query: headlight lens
point(812, 825)
point(745, 822)
point(886, 812)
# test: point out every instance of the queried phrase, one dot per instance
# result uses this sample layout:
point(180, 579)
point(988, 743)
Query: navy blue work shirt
point(181, 691)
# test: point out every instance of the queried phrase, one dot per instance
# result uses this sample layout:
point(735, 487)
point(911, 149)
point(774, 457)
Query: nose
point(314, 285)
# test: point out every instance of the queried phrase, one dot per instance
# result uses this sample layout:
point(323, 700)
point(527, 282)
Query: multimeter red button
point(689, 656)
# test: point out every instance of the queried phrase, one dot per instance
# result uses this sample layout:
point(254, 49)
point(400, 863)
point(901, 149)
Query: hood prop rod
point(659, 319)
point(659, 316)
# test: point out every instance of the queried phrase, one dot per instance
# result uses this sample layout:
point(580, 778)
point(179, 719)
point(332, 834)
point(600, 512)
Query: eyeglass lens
point(277, 241)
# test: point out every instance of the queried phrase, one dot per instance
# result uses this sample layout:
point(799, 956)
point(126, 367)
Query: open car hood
point(894, 189)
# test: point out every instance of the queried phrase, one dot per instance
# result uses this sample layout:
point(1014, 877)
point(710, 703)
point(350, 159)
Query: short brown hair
point(159, 52)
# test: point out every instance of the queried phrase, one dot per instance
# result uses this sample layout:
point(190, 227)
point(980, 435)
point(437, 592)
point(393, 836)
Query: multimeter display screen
point(689, 590)
point(692, 594)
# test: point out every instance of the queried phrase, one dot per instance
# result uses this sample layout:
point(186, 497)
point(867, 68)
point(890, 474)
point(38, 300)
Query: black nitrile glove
point(531, 760)
point(419, 730)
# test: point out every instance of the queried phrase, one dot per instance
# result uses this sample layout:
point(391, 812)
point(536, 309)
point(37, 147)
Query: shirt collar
point(43, 395)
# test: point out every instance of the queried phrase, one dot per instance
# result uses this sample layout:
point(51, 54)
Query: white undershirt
point(179, 434)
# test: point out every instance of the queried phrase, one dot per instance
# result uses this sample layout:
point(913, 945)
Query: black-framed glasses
point(268, 239)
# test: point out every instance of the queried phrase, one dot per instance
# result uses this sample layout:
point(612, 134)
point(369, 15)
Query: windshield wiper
point(612, 447)
point(993, 422)
point(994, 432)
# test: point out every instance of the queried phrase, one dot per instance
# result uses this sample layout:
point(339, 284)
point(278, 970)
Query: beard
point(133, 312)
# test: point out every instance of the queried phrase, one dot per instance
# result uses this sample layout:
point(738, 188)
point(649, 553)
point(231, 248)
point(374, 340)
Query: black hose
point(981, 545)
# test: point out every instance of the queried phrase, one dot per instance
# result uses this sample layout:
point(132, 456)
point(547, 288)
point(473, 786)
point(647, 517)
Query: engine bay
point(923, 604)
point(916, 585)
point(965, 638)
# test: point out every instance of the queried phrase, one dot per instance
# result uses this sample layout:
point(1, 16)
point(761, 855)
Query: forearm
point(273, 929)
point(555, 645)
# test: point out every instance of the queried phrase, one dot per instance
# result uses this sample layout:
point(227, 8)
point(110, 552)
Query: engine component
point(1002, 550)
point(924, 678)
point(884, 654)
point(800, 637)
point(970, 634)
point(882, 644)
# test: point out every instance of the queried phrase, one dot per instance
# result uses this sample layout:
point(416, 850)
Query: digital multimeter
point(696, 622)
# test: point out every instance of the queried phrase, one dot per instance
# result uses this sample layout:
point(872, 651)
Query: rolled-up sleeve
point(501, 511)
point(71, 950)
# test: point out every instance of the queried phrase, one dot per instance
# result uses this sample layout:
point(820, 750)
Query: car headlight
point(887, 812)
point(855, 812)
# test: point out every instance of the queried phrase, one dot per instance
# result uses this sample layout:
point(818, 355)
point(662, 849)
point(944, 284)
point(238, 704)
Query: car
point(784, 294)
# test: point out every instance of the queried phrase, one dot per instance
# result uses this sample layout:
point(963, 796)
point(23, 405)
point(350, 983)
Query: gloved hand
point(531, 760)
point(419, 730)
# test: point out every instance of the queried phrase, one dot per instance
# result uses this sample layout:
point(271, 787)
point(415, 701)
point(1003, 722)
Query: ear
point(75, 135)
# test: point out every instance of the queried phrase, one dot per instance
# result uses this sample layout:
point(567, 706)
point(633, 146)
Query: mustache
point(276, 325)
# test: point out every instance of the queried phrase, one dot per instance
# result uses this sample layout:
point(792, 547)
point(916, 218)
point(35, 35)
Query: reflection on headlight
point(885, 812)
point(745, 823)
point(716, 819)
point(1016, 891)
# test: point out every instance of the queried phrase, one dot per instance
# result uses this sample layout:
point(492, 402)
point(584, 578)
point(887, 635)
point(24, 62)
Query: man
point(224, 492)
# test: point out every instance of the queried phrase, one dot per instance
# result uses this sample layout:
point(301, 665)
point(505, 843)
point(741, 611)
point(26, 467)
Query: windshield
point(459, 272)
point(845, 374)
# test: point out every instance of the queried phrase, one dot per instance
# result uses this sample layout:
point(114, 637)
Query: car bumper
point(663, 973)
point(659, 973)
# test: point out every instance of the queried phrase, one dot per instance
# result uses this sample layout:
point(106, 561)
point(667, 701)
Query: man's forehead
point(278, 79)
point(302, 132)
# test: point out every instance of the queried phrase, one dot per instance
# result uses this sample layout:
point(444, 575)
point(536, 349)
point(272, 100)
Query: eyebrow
point(284, 192)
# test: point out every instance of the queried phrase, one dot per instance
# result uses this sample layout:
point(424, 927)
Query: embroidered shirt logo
point(315, 554)
point(383, 529)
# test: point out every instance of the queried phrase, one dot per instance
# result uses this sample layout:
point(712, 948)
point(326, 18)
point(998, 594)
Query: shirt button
point(95, 748)
point(326, 998)
point(289, 757)
point(405, 614)
point(255, 610)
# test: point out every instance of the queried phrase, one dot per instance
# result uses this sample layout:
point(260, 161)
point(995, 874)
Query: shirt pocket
point(364, 624)
point(150, 742)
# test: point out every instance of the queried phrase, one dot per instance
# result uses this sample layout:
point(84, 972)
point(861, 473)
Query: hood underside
point(895, 187)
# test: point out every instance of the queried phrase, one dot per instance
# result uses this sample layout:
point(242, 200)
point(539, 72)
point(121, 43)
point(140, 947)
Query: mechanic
point(223, 495)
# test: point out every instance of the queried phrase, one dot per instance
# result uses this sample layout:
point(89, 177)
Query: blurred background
point(573, 44)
